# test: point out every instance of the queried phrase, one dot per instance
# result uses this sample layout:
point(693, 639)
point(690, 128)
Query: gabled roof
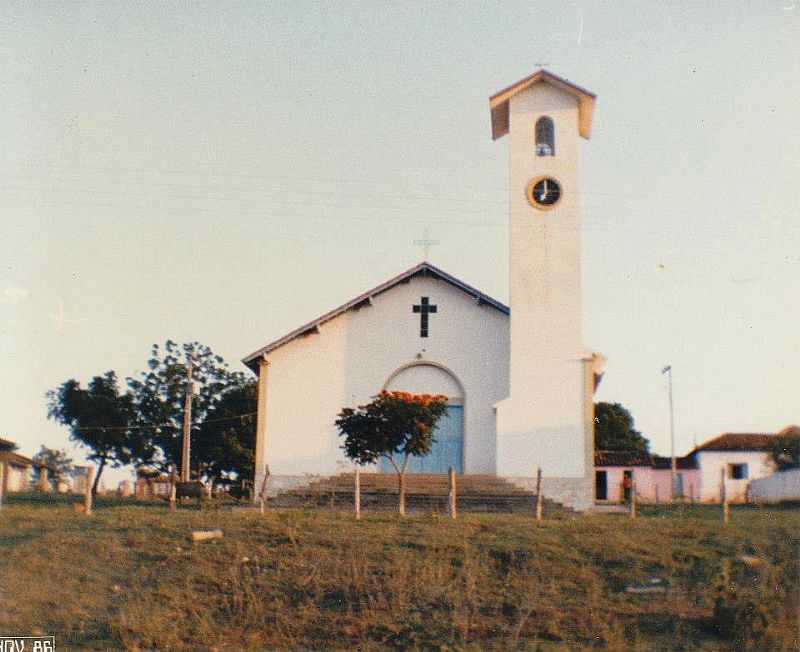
point(737, 441)
point(364, 299)
point(498, 103)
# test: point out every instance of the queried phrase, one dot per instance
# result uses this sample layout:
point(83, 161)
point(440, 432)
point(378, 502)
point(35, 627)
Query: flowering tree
point(395, 426)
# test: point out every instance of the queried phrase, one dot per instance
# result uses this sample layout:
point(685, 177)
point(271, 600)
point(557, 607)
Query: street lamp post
point(668, 370)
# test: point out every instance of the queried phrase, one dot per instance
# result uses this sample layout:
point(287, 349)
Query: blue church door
point(447, 449)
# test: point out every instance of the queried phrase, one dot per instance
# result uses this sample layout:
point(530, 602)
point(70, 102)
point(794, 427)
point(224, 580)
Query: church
point(519, 382)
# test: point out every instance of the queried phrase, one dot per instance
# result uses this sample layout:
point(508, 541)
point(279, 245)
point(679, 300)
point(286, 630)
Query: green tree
point(158, 396)
point(614, 430)
point(99, 419)
point(784, 449)
point(224, 443)
point(394, 426)
point(57, 461)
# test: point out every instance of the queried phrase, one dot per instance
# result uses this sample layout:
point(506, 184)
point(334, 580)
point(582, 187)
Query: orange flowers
point(420, 399)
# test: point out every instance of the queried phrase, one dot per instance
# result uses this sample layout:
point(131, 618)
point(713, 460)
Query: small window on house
point(737, 471)
point(545, 137)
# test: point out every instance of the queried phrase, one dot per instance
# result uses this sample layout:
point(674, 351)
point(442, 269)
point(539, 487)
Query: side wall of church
point(353, 356)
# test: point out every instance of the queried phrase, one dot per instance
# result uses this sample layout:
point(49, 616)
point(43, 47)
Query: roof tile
point(737, 441)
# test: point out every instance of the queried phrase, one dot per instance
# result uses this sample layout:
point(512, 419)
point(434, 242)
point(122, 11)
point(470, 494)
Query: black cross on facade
point(424, 309)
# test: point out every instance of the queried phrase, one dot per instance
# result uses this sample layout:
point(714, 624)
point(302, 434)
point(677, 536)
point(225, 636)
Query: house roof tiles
point(633, 458)
point(737, 441)
point(621, 458)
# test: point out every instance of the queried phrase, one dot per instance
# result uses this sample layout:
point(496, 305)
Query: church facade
point(519, 382)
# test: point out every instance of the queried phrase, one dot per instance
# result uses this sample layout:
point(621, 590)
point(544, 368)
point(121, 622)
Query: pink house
point(616, 472)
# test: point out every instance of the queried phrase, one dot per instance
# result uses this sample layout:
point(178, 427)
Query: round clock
point(543, 193)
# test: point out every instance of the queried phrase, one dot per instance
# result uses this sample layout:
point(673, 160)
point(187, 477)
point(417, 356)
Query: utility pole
point(187, 424)
point(668, 370)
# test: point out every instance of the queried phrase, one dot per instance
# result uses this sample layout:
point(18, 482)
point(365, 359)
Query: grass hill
point(127, 578)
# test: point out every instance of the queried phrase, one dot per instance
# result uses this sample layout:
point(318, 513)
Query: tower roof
point(498, 103)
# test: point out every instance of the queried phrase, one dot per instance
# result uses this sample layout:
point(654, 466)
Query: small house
point(616, 473)
point(735, 459)
point(151, 484)
point(16, 468)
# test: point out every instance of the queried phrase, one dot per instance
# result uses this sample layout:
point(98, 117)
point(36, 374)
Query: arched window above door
point(426, 378)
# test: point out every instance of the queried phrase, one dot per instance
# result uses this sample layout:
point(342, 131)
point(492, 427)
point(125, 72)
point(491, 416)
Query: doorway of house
point(601, 485)
point(627, 483)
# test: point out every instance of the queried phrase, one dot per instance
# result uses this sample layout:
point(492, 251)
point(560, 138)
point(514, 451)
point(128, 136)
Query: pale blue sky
point(226, 171)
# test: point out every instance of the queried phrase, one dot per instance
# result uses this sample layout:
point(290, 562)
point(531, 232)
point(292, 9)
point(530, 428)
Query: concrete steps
point(424, 493)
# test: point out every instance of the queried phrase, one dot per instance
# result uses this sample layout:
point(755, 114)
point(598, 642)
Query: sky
point(224, 172)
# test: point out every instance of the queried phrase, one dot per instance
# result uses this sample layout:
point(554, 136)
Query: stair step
point(379, 492)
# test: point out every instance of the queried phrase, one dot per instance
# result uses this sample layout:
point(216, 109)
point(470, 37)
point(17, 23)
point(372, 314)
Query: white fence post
point(724, 497)
point(452, 492)
point(357, 493)
point(262, 494)
point(87, 496)
point(539, 501)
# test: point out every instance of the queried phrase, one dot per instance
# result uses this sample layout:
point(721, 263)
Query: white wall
point(711, 463)
point(352, 358)
point(17, 478)
point(784, 485)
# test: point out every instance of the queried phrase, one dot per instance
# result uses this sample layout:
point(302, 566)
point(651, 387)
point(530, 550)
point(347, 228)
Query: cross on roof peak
point(426, 243)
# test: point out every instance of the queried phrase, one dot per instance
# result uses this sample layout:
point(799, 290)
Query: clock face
point(544, 192)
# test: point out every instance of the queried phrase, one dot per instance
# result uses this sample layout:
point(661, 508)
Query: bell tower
point(547, 419)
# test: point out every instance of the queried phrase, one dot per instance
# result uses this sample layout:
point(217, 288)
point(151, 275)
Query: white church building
point(519, 381)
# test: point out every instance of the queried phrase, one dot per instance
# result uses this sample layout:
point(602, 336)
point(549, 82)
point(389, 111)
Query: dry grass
point(127, 578)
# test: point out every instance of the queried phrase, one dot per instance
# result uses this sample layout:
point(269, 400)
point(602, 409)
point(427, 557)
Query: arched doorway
point(448, 447)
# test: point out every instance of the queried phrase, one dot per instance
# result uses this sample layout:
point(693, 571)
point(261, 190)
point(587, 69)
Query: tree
point(784, 449)
point(614, 431)
point(158, 398)
point(59, 463)
point(224, 444)
point(99, 418)
point(395, 426)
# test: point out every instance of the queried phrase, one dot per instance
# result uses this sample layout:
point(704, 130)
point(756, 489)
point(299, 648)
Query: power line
point(258, 212)
point(216, 172)
point(157, 426)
